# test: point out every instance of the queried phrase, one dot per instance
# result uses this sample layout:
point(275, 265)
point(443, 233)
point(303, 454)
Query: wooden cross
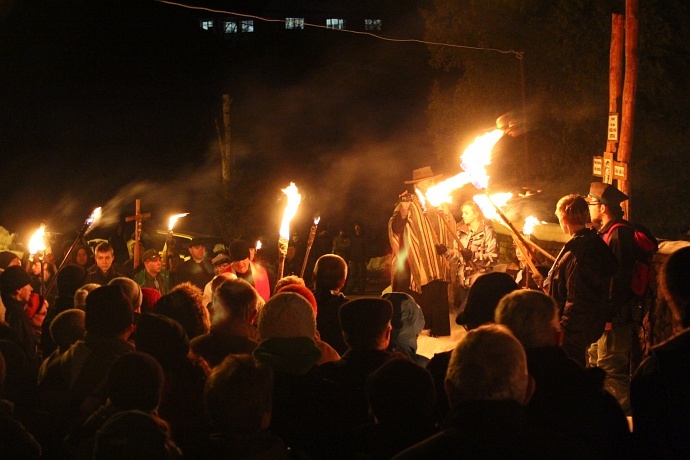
point(138, 218)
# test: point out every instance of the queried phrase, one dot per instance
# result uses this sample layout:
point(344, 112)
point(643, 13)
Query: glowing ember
point(173, 220)
point(37, 242)
point(294, 199)
point(422, 198)
point(530, 222)
point(485, 203)
point(258, 244)
point(477, 157)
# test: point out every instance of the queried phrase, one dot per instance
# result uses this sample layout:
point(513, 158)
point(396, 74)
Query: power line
point(518, 54)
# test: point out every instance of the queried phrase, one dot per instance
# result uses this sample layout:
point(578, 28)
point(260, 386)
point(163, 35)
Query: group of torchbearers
point(436, 260)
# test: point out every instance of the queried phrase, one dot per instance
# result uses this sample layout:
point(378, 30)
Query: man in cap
point(220, 262)
point(416, 268)
point(153, 275)
point(198, 270)
point(247, 270)
point(612, 351)
point(15, 288)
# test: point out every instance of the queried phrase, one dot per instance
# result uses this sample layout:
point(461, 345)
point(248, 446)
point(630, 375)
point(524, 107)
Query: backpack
point(645, 247)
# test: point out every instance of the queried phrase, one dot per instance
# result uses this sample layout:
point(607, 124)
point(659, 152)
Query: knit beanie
point(131, 290)
point(13, 279)
point(161, 337)
point(239, 250)
point(286, 315)
point(5, 258)
point(365, 317)
point(108, 311)
point(302, 290)
point(135, 381)
point(149, 298)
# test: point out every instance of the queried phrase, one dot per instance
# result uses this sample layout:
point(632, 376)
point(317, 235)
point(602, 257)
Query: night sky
point(105, 102)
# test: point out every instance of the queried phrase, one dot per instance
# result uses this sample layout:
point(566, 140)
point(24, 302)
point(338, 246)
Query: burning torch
point(312, 235)
point(37, 248)
point(294, 199)
point(169, 237)
point(89, 223)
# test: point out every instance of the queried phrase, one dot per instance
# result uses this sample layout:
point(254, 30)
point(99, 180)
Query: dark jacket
point(327, 320)
point(492, 430)
point(622, 245)
point(571, 400)
point(20, 324)
point(579, 281)
point(95, 275)
point(196, 273)
point(215, 345)
point(660, 400)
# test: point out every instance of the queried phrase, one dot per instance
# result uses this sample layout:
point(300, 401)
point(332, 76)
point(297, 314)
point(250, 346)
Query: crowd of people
point(221, 360)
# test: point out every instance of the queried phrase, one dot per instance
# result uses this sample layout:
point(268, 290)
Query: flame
point(317, 219)
point(37, 242)
point(294, 199)
point(477, 157)
point(422, 198)
point(258, 245)
point(173, 220)
point(486, 203)
point(440, 193)
point(94, 217)
point(530, 222)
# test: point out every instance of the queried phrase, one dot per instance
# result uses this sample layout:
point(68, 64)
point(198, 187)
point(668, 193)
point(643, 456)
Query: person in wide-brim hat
point(422, 174)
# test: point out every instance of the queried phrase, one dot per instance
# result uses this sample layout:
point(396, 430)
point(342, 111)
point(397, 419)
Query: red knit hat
point(150, 297)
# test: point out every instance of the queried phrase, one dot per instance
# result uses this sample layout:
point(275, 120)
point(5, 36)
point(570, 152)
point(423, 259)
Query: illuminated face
point(153, 266)
point(104, 260)
point(197, 252)
point(23, 294)
point(241, 266)
point(15, 262)
point(82, 256)
point(596, 214)
point(36, 267)
point(469, 216)
point(218, 268)
point(40, 316)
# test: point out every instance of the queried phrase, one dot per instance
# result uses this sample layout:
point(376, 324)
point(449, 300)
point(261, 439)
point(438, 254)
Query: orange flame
point(37, 242)
point(258, 244)
point(173, 220)
point(485, 203)
point(422, 198)
point(530, 222)
point(477, 157)
point(294, 199)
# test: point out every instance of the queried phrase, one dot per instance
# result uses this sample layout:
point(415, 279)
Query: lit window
point(335, 23)
point(230, 27)
point(372, 24)
point(294, 23)
point(248, 26)
point(207, 25)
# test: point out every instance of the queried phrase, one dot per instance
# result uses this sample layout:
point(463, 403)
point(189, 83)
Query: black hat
point(239, 250)
point(135, 381)
point(150, 254)
point(366, 316)
point(108, 311)
point(483, 298)
point(421, 174)
point(163, 338)
point(6, 257)
point(197, 241)
point(13, 279)
point(605, 194)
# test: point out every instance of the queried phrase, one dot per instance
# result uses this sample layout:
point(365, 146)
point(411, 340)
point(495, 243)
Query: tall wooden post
point(615, 74)
point(137, 218)
point(227, 163)
point(629, 90)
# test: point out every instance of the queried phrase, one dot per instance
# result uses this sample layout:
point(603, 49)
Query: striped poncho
point(416, 245)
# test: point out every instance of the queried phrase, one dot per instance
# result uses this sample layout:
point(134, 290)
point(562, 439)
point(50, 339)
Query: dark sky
point(105, 102)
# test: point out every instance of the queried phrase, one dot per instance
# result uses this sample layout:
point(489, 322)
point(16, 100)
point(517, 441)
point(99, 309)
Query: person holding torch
point(416, 267)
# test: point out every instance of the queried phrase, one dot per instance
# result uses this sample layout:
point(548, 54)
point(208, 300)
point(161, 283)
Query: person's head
point(197, 249)
point(423, 178)
point(134, 435)
point(238, 396)
point(9, 259)
point(81, 293)
point(471, 213)
point(69, 279)
point(304, 291)
point(105, 254)
point(401, 393)
point(135, 382)
point(67, 328)
point(15, 283)
point(286, 315)
point(488, 364)
point(532, 317)
point(163, 338)
point(220, 262)
point(358, 229)
point(185, 305)
point(81, 256)
point(150, 296)
point(287, 280)
point(220, 279)
point(330, 273)
point(604, 202)
point(131, 289)
point(235, 300)
point(482, 298)
point(252, 250)
point(239, 256)
point(407, 321)
point(152, 262)
point(366, 323)
point(572, 212)
point(674, 285)
point(109, 313)
point(36, 310)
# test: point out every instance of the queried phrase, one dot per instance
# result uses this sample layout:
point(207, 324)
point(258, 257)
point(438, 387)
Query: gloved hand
point(441, 249)
point(466, 255)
